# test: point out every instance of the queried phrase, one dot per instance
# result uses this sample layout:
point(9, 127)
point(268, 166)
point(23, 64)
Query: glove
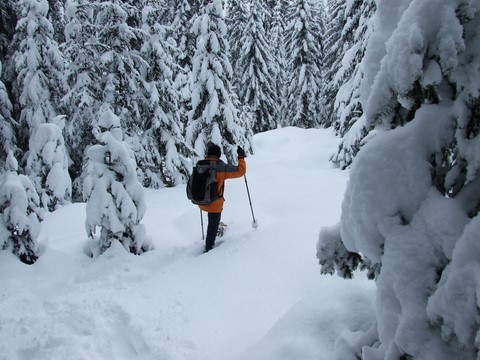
point(241, 152)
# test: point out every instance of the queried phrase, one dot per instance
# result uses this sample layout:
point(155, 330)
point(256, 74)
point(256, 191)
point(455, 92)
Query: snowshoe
point(222, 227)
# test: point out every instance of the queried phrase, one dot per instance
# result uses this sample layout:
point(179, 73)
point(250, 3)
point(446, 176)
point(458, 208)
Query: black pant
point(213, 222)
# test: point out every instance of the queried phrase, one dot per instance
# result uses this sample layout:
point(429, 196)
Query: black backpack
point(202, 187)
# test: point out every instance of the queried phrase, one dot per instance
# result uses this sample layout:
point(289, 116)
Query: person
point(224, 172)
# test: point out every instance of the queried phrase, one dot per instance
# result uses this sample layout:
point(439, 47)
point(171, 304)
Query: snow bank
point(258, 295)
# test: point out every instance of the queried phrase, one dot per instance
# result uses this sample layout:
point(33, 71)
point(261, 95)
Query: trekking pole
point(254, 223)
point(201, 222)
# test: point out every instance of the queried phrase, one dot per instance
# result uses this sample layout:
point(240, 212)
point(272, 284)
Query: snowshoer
point(224, 172)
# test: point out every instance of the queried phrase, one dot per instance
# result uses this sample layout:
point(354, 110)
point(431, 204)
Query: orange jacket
point(224, 172)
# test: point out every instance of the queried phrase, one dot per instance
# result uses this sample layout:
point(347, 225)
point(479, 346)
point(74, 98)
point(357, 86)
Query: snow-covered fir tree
point(379, 30)
point(269, 16)
point(237, 16)
point(47, 165)
point(121, 82)
point(333, 55)
point(304, 56)
point(257, 71)
point(411, 208)
point(185, 40)
point(213, 116)
point(39, 66)
point(114, 196)
point(82, 78)
point(7, 124)
point(163, 131)
point(56, 15)
point(106, 69)
point(165, 9)
point(8, 19)
point(280, 59)
point(245, 118)
point(236, 20)
point(196, 7)
point(20, 213)
point(348, 108)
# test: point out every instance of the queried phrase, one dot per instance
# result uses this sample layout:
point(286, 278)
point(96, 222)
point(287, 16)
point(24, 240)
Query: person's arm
point(229, 171)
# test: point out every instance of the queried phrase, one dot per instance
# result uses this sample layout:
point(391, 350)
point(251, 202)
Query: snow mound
point(258, 295)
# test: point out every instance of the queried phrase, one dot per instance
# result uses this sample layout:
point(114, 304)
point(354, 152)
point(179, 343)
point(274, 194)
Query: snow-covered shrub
point(114, 196)
point(333, 256)
point(47, 166)
point(20, 213)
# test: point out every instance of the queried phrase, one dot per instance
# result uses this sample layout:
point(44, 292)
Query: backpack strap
point(219, 166)
point(216, 163)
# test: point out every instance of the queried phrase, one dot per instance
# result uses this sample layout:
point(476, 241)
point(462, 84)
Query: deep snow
point(259, 295)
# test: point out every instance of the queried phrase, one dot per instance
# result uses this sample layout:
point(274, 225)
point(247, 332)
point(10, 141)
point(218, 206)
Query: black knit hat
point(214, 150)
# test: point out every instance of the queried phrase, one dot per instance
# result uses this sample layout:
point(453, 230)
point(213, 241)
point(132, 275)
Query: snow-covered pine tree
point(269, 16)
point(106, 69)
point(280, 58)
point(334, 50)
point(56, 16)
point(411, 208)
point(114, 196)
point(257, 70)
point(166, 152)
point(236, 17)
point(8, 19)
point(83, 81)
point(166, 9)
point(9, 42)
point(20, 213)
point(7, 138)
point(355, 34)
point(380, 27)
point(213, 116)
point(185, 39)
point(245, 119)
point(121, 81)
point(304, 56)
point(39, 65)
point(236, 20)
point(195, 7)
point(348, 108)
point(47, 165)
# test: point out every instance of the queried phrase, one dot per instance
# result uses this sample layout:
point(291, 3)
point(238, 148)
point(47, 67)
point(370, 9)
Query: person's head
point(214, 150)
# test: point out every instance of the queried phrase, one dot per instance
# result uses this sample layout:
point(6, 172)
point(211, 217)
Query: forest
point(168, 77)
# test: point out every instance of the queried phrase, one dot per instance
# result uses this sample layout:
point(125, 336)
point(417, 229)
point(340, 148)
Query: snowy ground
point(259, 295)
